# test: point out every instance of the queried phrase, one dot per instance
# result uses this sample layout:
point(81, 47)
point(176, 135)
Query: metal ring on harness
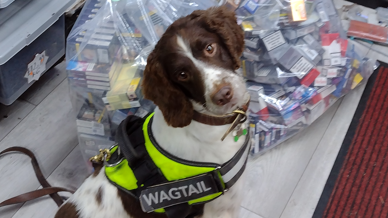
point(118, 153)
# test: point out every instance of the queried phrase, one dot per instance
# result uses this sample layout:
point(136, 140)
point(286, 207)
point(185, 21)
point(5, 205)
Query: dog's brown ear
point(223, 22)
point(175, 106)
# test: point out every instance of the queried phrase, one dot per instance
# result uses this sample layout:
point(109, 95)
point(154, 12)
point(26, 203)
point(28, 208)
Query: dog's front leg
point(223, 207)
point(228, 205)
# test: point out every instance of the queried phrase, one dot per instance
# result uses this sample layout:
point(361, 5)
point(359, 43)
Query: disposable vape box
point(84, 69)
point(251, 54)
point(297, 32)
point(103, 51)
point(93, 121)
point(253, 43)
point(293, 61)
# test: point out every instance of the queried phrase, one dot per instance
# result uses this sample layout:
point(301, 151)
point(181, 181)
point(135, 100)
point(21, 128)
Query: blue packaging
point(338, 92)
point(250, 6)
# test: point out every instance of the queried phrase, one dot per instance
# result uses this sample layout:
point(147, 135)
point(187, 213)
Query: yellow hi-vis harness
point(161, 181)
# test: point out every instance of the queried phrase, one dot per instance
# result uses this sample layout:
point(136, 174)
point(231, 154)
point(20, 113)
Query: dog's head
point(193, 67)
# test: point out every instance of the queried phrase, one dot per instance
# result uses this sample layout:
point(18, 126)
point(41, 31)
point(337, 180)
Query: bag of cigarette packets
point(106, 54)
point(298, 62)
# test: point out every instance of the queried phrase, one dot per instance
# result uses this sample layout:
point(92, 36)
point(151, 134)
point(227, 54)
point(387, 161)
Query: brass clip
point(241, 118)
point(101, 157)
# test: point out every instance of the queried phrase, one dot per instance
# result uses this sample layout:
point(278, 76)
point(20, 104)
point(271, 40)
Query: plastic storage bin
point(5, 3)
point(36, 28)
point(9, 11)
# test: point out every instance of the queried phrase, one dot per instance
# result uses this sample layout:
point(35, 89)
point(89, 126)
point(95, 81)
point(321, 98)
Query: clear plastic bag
point(107, 51)
point(294, 35)
point(297, 67)
point(297, 62)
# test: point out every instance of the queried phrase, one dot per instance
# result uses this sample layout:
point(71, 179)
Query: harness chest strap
point(186, 190)
point(192, 183)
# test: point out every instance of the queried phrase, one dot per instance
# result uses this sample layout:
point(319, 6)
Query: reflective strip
point(240, 164)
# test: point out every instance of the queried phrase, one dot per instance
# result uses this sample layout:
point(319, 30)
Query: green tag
point(240, 133)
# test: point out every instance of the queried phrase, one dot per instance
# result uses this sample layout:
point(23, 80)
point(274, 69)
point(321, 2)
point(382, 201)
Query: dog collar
point(235, 118)
point(161, 181)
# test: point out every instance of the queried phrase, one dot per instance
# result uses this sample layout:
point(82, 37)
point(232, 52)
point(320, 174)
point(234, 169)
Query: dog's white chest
point(196, 142)
point(98, 198)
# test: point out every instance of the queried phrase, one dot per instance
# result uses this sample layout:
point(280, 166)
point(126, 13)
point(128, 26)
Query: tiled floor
point(284, 183)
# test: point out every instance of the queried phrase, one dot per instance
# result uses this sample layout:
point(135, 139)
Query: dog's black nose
point(223, 96)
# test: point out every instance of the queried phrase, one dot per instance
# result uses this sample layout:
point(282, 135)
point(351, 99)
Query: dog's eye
point(210, 49)
point(183, 76)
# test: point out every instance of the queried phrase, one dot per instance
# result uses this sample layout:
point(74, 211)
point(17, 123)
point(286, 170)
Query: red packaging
point(310, 77)
point(263, 114)
point(327, 39)
point(327, 101)
point(260, 108)
point(344, 46)
point(368, 31)
point(315, 99)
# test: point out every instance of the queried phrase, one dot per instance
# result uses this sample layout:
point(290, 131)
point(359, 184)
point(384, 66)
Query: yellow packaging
point(135, 35)
point(244, 69)
point(247, 26)
point(133, 86)
point(356, 64)
point(357, 79)
point(298, 10)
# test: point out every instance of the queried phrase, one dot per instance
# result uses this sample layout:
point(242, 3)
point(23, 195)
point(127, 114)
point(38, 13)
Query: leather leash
point(47, 188)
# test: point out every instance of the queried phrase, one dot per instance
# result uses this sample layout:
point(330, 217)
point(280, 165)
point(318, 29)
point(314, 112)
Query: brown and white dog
point(193, 67)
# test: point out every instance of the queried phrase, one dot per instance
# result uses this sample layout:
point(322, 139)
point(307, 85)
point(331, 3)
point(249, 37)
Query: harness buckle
point(101, 157)
point(107, 158)
point(216, 173)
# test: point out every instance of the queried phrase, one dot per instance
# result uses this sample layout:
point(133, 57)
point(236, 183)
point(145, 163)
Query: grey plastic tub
point(5, 3)
point(9, 11)
point(37, 27)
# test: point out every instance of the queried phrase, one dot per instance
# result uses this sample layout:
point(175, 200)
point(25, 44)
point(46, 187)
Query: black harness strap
point(180, 210)
point(131, 143)
point(232, 170)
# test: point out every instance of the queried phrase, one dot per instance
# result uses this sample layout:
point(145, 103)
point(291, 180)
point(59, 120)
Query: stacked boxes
point(126, 92)
point(102, 75)
point(93, 76)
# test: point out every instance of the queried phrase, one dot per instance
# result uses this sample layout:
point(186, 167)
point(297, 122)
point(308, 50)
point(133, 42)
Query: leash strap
point(33, 195)
point(47, 188)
